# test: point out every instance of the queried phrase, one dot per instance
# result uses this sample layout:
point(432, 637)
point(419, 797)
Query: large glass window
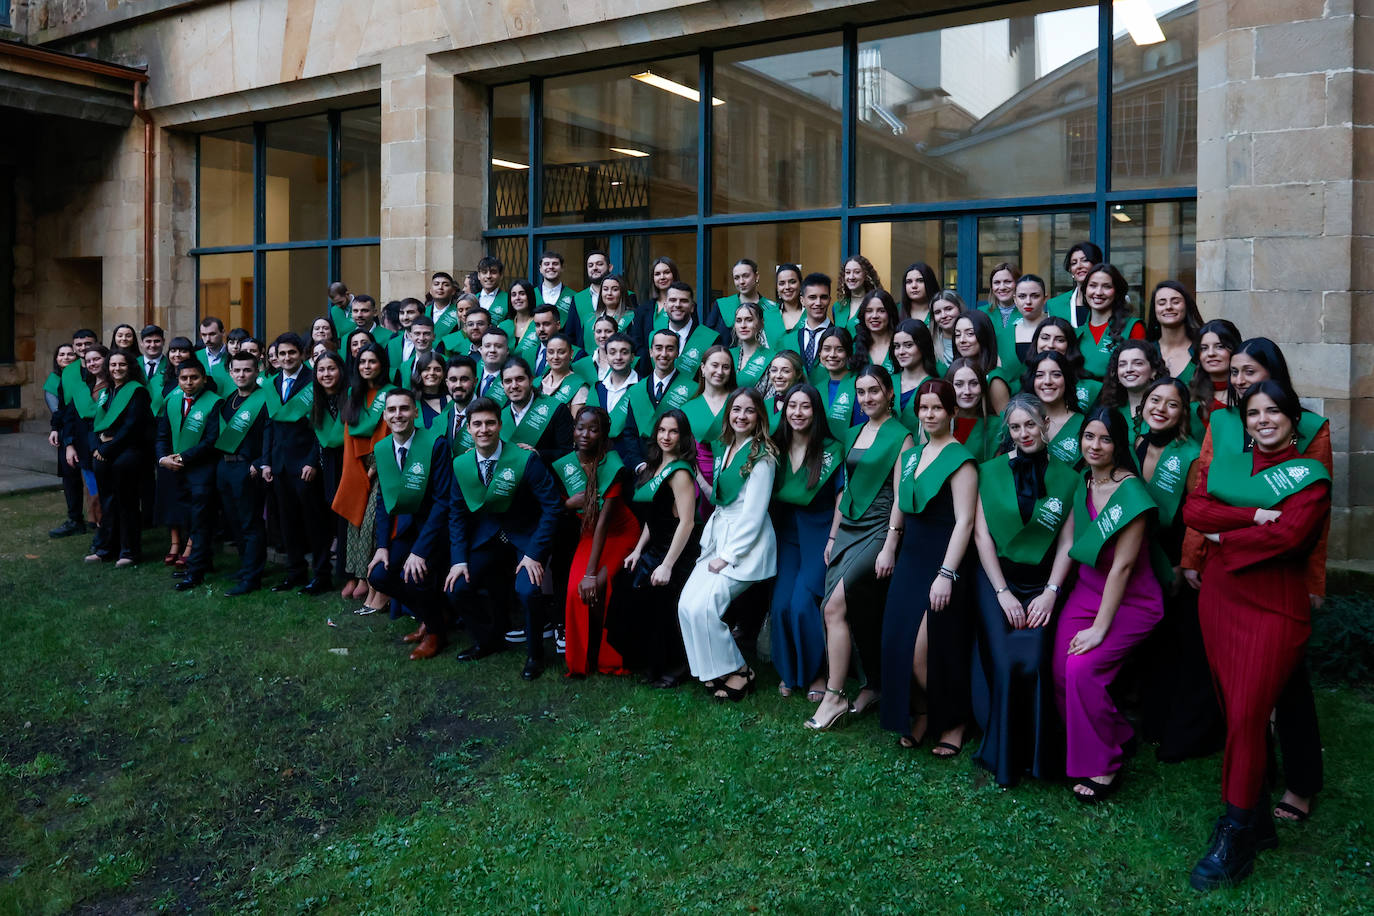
point(778, 126)
point(640, 250)
point(952, 109)
point(621, 144)
point(1036, 243)
point(814, 246)
point(893, 247)
point(1153, 242)
point(1154, 95)
point(284, 209)
point(510, 155)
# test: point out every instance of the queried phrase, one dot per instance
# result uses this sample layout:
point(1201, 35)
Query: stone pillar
point(1285, 101)
point(433, 143)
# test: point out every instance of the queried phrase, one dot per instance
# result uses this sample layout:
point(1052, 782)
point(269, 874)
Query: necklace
point(1100, 483)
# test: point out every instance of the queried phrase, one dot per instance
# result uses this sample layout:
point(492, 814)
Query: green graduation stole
point(231, 433)
point(840, 411)
point(1308, 426)
point(1186, 376)
point(582, 301)
point(589, 329)
point(842, 312)
point(1018, 541)
point(1010, 374)
point(53, 383)
point(1064, 446)
point(698, 342)
point(585, 368)
point(791, 488)
point(500, 306)
point(330, 431)
point(646, 414)
point(297, 407)
point(728, 305)
point(1096, 355)
point(564, 304)
point(775, 329)
point(527, 347)
point(646, 491)
point(1087, 392)
point(774, 415)
point(446, 323)
point(440, 424)
point(188, 432)
point(343, 321)
point(111, 409)
point(156, 399)
point(728, 480)
point(567, 389)
point(914, 490)
point(73, 384)
point(403, 489)
point(1231, 479)
point(621, 412)
point(506, 475)
point(984, 438)
point(994, 311)
point(1170, 479)
point(874, 467)
point(1229, 435)
point(569, 471)
point(454, 344)
point(705, 424)
point(531, 425)
point(906, 413)
point(750, 372)
point(1061, 306)
point(1129, 501)
point(369, 416)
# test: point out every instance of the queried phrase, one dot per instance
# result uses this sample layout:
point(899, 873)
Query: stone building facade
point(1276, 199)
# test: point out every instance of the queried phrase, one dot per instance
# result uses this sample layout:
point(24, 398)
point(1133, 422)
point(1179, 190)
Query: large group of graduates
point(1011, 523)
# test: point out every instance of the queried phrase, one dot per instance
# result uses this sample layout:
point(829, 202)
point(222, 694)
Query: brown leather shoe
point(428, 648)
point(416, 636)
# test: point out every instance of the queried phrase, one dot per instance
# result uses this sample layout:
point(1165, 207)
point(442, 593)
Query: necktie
point(286, 384)
point(658, 391)
point(810, 354)
point(457, 425)
point(152, 367)
point(486, 464)
point(185, 407)
point(401, 453)
point(540, 364)
point(486, 383)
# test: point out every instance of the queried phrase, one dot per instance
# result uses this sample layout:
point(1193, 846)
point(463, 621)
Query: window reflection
point(777, 134)
point(1036, 243)
point(360, 268)
point(297, 179)
point(1154, 100)
point(360, 177)
point(226, 188)
point(813, 245)
point(955, 108)
point(296, 282)
point(510, 154)
point(226, 288)
point(621, 143)
point(1153, 242)
point(892, 247)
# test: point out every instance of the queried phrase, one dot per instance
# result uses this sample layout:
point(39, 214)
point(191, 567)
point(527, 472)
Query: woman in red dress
point(1262, 512)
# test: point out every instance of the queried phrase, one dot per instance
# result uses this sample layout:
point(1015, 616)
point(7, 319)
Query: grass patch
point(165, 752)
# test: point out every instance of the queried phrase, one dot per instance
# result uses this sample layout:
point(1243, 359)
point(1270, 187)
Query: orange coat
point(354, 486)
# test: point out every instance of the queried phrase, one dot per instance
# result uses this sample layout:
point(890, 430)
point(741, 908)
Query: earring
point(1293, 440)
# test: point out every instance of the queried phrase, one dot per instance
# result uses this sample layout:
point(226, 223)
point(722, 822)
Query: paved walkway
point(27, 463)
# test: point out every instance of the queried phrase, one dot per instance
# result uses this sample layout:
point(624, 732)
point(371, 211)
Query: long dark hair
point(700, 374)
point(358, 387)
point(1228, 335)
point(320, 408)
point(1122, 313)
point(928, 277)
point(925, 345)
point(847, 341)
point(686, 444)
point(1183, 429)
point(963, 362)
point(1074, 353)
point(1065, 366)
point(819, 432)
point(115, 333)
point(986, 336)
point(863, 337)
point(347, 345)
point(1122, 444)
point(421, 362)
point(103, 376)
point(531, 302)
point(1192, 318)
point(1114, 394)
point(590, 510)
point(1283, 397)
point(1267, 353)
point(875, 371)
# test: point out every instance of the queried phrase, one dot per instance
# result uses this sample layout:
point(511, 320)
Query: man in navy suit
point(503, 512)
point(415, 478)
point(293, 468)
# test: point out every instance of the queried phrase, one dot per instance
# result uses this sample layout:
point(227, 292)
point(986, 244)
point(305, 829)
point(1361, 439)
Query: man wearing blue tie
point(495, 350)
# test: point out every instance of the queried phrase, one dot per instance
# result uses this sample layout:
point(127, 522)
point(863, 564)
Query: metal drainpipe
point(148, 265)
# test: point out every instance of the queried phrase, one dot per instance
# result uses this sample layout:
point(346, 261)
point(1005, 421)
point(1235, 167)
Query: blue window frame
point(327, 250)
point(530, 236)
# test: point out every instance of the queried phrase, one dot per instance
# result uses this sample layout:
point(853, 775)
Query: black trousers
point(1299, 739)
point(121, 525)
point(331, 460)
point(482, 602)
point(423, 597)
point(242, 498)
point(73, 488)
point(198, 488)
point(303, 523)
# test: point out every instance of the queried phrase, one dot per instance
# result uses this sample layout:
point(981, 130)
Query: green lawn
point(187, 753)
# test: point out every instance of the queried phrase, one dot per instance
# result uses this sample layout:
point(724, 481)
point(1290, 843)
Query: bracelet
point(831, 538)
point(946, 573)
point(895, 528)
point(1005, 588)
point(1052, 587)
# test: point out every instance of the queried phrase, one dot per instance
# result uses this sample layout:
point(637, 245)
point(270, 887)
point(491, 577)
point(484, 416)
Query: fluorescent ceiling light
point(626, 151)
point(507, 164)
point(1139, 20)
point(1120, 215)
point(667, 85)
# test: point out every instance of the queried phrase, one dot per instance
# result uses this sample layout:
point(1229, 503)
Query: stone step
point(28, 451)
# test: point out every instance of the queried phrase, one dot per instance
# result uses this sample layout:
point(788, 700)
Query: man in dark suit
point(504, 506)
point(243, 423)
point(665, 386)
point(611, 393)
point(293, 468)
point(186, 434)
point(534, 422)
point(694, 338)
point(414, 477)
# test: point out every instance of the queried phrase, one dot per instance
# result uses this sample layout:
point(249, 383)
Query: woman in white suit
point(737, 546)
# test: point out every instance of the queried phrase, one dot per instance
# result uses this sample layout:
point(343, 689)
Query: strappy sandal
point(1097, 791)
point(1283, 811)
point(725, 692)
point(815, 724)
point(908, 742)
point(952, 749)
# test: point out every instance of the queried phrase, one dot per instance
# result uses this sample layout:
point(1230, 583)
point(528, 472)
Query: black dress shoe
point(474, 652)
point(1230, 858)
point(67, 529)
point(189, 583)
point(533, 668)
point(317, 587)
point(241, 588)
point(289, 583)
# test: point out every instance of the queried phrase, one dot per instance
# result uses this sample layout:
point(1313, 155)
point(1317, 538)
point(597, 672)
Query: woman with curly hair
point(738, 547)
point(857, 280)
point(1111, 318)
point(1133, 366)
